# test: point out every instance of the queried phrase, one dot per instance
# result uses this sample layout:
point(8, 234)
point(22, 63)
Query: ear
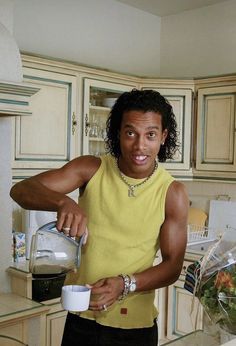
point(163, 136)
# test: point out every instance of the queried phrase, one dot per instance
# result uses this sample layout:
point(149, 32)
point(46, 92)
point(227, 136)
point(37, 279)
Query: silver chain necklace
point(132, 187)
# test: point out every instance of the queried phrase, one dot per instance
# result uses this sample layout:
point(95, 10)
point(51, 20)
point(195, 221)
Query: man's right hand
point(71, 219)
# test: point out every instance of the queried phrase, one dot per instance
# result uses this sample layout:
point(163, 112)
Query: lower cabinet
point(21, 284)
point(18, 331)
point(22, 321)
point(184, 312)
point(179, 312)
point(160, 303)
point(55, 326)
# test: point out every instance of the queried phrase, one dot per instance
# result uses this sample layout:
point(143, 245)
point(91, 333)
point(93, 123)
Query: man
point(132, 207)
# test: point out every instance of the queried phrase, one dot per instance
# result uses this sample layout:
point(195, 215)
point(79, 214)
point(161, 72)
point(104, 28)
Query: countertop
point(230, 343)
point(199, 338)
point(13, 306)
point(21, 266)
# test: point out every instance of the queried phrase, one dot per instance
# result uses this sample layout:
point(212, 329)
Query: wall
point(201, 192)
point(112, 35)
point(6, 14)
point(5, 203)
point(5, 173)
point(100, 33)
point(199, 42)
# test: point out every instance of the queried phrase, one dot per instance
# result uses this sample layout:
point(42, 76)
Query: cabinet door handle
point(87, 125)
point(74, 123)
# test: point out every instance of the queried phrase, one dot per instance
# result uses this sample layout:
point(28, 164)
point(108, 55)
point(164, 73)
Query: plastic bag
point(215, 282)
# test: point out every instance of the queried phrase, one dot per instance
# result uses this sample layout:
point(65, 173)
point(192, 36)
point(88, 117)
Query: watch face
point(132, 287)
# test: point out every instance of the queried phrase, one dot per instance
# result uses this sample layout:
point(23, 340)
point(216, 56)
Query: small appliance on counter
point(222, 214)
point(52, 256)
point(52, 252)
point(32, 220)
point(46, 287)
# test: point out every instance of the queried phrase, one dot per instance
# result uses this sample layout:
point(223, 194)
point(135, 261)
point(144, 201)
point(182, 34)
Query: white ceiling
point(163, 8)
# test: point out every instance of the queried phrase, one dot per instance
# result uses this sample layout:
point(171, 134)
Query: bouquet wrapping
point(215, 282)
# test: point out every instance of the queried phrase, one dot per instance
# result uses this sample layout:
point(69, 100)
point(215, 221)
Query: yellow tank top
point(123, 238)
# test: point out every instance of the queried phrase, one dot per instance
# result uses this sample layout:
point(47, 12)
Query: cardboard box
point(18, 246)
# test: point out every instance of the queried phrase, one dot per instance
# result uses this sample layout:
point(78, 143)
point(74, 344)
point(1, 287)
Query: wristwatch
point(132, 284)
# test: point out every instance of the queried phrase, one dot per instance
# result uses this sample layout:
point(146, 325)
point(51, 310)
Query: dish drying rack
point(198, 234)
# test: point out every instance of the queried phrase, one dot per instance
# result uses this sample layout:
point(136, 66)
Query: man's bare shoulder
point(177, 197)
point(85, 166)
point(176, 187)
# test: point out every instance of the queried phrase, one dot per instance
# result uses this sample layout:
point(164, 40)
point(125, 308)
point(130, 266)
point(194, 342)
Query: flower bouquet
point(215, 282)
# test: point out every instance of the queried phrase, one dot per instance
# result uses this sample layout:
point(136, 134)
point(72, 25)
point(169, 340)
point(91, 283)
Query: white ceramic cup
point(75, 297)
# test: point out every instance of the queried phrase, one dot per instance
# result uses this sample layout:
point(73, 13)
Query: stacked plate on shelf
point(109, 101)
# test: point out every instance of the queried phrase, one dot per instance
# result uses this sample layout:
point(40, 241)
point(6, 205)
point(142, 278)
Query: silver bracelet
point(126, 280)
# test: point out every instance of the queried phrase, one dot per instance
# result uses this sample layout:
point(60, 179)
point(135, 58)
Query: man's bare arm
point(47, 191)
point(173, 238)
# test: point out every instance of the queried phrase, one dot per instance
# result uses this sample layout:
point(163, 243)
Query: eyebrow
point(154, 127)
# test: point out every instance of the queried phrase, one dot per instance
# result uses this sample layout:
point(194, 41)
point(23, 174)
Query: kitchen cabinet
point(21, 284)
point(47, 138)
point(184, 312)
point(99, 96)
point(181, 102)
point(184, 315)
point(71, 108)
point(70, 112)
point(179, 314)
point(160, 304)
point(22, 319)
point(55, 323)
point(216, 142)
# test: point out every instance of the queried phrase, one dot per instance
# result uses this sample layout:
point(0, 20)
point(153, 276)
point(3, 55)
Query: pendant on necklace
point(131, 191)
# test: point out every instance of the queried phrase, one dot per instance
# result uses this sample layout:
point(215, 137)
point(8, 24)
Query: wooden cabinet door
point(160, 304)
point(45, 139)
point(17, 330)
point(184, 314)
point(55, 328)
point(181, 102)
point(98, 98)
point(216, 145)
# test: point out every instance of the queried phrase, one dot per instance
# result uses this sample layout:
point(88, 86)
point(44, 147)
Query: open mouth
point(140, 159)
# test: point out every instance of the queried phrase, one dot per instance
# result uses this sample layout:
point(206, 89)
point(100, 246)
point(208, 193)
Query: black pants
point(83, 332)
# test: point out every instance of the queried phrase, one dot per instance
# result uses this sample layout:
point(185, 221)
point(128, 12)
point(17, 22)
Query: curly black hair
point(145, 101)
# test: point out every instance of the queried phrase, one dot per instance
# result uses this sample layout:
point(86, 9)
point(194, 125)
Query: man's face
point(141, 136)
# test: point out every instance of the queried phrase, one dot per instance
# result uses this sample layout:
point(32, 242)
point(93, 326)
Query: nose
point(140, 143)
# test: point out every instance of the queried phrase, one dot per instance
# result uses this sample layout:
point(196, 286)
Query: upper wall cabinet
point(216, 145)
point(181, 101)
point(46, 139)
point(73, 102)
point(99, 97)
